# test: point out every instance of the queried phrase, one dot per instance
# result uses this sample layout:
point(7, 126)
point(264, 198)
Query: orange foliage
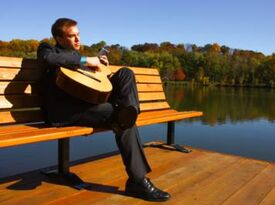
point(179, 74)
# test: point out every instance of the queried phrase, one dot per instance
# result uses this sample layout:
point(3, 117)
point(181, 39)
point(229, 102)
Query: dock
point(199, 178)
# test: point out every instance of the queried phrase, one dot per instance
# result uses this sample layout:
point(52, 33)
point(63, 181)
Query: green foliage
point(211, 64)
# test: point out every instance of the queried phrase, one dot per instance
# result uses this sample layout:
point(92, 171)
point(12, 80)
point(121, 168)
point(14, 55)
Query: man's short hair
point(60, 25)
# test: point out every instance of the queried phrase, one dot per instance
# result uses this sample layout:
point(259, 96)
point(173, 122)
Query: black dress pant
point(124, 93)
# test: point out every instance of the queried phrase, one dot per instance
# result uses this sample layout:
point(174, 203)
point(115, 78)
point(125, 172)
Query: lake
point(239, 121)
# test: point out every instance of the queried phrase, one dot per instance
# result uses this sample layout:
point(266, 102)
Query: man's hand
point(94, 62)
point(104, 60)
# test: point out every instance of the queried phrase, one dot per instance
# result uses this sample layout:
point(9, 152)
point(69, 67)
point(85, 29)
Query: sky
point(238, 24)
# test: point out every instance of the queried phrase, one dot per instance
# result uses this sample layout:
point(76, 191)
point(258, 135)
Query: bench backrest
point(20, 90)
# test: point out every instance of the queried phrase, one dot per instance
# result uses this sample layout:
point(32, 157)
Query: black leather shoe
point(146, 190)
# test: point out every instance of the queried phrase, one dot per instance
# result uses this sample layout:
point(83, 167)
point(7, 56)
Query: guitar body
point(88, 85)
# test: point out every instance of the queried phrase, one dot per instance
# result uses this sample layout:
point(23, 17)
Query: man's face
point(70, 39)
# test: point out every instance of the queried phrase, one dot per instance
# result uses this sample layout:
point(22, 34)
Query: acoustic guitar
point(86, 84)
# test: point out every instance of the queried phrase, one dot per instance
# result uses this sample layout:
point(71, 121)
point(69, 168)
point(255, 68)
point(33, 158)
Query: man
point(63, 109)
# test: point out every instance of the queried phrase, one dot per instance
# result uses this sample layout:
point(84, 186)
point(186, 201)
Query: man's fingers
point(104, 60)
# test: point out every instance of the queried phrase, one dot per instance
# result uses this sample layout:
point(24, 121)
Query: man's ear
point(59, 40)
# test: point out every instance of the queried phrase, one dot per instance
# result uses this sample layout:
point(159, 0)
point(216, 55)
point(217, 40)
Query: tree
point(147, 47)
point(179, 74)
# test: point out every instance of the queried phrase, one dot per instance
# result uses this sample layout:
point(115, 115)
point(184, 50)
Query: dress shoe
point(146, 190)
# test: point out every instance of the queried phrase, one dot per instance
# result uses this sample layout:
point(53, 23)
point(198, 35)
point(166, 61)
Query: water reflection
point(222, 105)
point(237, 121)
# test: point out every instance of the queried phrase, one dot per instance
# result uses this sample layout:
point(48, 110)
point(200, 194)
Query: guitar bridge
point(86, 73)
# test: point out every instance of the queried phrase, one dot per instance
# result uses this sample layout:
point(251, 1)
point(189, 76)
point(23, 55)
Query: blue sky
point(242, 24)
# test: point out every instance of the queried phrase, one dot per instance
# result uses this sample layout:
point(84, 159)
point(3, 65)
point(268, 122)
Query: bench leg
point(64, 166)
point(171, 138)
point(63, 156)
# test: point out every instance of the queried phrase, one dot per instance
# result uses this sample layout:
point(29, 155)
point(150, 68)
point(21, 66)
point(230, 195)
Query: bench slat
point(7, 73)
point(154, 106)
point(17, 74)
point(161, 113)
point(9, 88)
point(10, 62)
point(167, 118)
point(19, 101)
point(8, 117)
point(28, 87)
point(155, 113)
point(137, 70)
point(30, 101)
point(147, 79)
point(143, 87)
point(149, 96)
point(41, 135)
point(14, 62)
point(13, 129)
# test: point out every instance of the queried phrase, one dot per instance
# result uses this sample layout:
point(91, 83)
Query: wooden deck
point(200, 177)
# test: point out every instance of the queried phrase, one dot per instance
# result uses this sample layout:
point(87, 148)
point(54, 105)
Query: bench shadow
point(34, 179)
point(23, 90)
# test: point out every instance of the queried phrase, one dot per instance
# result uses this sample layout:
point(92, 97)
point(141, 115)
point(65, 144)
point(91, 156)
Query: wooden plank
point(221, 185)
point(263, 182)
point(41, 135)
point(14, 62)
point(149, 114)
point(269, 198)
point(17, 87)
point(158, 113)
point(137, 70)
point(147, 79)
point(167, 118)
point(150, 96)
point(20, 74)
point(19, 101)
point(143, 87)
point(153, 106)
point(13, 129)
point(28, 87)
point(179, 180)
point(23, 116)
point(10, 62)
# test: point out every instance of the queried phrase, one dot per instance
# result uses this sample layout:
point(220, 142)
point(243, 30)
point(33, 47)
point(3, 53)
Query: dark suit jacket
point(61, 108)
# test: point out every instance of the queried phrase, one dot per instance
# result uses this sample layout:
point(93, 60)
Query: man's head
point(66, 33)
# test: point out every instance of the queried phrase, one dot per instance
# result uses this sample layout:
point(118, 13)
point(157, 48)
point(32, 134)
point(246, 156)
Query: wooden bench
point(22, 121)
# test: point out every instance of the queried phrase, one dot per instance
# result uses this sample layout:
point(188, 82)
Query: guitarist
point(119, 113)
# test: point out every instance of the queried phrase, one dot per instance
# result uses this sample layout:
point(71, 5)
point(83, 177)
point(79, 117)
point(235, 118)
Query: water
point(235, 121)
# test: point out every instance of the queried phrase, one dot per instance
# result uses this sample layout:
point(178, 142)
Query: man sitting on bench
point(118, 114)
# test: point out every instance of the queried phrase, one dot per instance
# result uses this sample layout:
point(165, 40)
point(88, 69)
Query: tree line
point(211, 64)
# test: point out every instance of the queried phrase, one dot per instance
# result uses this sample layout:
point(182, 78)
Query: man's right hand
point(93, 63)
